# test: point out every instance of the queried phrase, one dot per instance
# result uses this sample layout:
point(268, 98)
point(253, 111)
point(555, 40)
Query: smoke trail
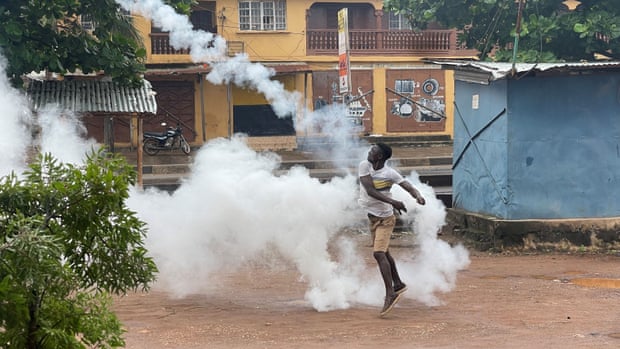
point(209, 48)
point(204, 46)
point(240, 71)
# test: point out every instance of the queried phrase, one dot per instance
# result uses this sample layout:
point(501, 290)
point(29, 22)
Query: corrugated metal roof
point(501, 70)
point(92, 96)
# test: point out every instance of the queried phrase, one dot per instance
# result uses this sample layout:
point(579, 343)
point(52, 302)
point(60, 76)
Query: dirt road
point(525, 301)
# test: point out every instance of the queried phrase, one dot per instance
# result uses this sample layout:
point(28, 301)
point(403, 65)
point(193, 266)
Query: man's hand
point(420, 200)
point(399, 206)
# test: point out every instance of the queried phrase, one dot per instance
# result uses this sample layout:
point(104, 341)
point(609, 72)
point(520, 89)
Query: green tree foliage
point(549, 30)
point(67, 242)
point(38, 35)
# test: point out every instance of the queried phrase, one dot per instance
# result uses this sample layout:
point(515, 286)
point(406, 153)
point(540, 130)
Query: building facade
point(396, 93)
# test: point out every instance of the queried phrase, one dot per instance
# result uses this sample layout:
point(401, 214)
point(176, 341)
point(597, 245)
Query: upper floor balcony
point(388, 42)
point(364, 42)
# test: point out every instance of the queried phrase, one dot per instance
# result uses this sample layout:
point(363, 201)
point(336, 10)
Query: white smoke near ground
point(235, 209)
point(434, 264)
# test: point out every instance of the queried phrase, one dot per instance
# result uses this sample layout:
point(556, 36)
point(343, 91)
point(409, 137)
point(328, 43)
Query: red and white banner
point(344, 72)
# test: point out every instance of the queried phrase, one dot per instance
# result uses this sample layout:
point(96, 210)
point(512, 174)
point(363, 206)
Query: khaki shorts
point(381, 229)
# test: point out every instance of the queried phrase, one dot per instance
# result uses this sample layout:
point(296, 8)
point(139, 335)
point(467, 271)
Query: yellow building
point(298, 39)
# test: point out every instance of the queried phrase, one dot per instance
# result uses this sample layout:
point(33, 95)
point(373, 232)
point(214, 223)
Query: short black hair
point(386, 150)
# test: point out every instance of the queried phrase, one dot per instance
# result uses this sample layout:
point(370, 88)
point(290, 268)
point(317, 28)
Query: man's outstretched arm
point(413, 192)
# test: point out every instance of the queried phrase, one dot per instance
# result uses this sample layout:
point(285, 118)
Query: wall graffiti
point(415, 100)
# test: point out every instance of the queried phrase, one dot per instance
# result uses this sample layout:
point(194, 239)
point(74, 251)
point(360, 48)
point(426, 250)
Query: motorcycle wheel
point(185, 147)
point(151, 146)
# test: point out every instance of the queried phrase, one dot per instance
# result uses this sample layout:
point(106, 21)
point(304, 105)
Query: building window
point(87, 22)
point(262, 15)
point(399, 21)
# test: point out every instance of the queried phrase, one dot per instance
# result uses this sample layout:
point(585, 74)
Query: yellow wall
point(379, 119)
point(449, 81)
point(216, 108)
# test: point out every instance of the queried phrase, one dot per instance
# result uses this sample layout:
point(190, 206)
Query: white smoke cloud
point(60, 128)
point(345, 147)
point(234, 210)
point(16, 119)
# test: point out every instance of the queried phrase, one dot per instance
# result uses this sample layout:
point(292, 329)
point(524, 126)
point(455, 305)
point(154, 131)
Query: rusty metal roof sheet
point(92, 96)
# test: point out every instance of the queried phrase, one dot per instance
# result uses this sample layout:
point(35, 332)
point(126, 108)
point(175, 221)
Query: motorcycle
point(173, 138)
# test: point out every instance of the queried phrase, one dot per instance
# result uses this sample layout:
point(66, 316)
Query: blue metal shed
point(537, 141)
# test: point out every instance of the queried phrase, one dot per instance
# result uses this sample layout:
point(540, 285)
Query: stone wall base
point(490, 233)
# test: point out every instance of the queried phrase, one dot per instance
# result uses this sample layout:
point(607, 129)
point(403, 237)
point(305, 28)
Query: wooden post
point(380, 29)
point(108, 132)
point(139, 152)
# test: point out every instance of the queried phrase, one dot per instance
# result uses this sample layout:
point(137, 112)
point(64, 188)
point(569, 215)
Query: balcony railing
point(387, 42)
point(362, 42)
point(160, 45)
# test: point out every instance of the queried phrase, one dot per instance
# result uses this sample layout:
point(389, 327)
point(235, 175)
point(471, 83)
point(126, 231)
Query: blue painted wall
point(554, 154)
point(480, 176)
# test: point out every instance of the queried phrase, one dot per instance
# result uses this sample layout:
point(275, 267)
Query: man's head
point(379, 152)
point(386, 150)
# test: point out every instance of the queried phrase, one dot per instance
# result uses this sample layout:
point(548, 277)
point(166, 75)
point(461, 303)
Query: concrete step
point(352, 163)
point(325, 142)
point(173, 169)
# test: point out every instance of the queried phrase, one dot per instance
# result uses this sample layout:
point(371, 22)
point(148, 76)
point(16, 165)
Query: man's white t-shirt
point(382, 179)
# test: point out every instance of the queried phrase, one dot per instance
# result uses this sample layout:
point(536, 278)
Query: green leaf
point(13, 29)
point(580, 28)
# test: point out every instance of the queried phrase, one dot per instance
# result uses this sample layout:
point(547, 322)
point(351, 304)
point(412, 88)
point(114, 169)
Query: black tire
point(151, 146)
point(185, 146)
